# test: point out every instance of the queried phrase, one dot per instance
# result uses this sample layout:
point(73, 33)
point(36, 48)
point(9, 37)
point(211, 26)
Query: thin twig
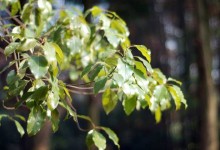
point(8, 18)
point(77, 87)
point(6, 107)
point(14, 18)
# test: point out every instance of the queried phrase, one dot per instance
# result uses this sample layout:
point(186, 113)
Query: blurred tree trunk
point(42, 139)
point(209, 122)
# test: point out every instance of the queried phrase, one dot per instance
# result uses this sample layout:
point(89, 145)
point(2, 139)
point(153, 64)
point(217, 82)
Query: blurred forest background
point(184, 37)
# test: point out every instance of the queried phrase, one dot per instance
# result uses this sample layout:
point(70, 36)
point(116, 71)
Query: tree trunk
point(42, 139)
point(209, 122)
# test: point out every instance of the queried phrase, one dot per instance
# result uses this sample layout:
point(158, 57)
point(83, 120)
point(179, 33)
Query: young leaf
point(49, 52)
point(140, 67)
point(59, 53)
point(146, 64)
point(19, 128)
point(38, 66)
point(112, 136)
point(15, 7)
point(52, 100)
point(109, 100)
point(99, 85)
point(36, 120)
point(27, 44)
point(99, 140)
point(158, 115)
point(112, 37)
point(144, 51)
point(129, 104)
point(96, 11)
point(11, 48)
point(177, 95)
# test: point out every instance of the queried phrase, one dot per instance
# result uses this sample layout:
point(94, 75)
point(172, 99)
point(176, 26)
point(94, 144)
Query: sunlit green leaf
point(59, 53)
point(96, 11)
point(112, 136)
point(144, 51)
point(177, 95)
point(36, 120)
point(129, 104)
point(125, 70)
point(159, 76)
point(49, 52)
point(109, 100)
point(15, 7)
point(158, 115)
point(112, 37)
point(141, 67)
point(19, 128)
point(38, 66)
point(26, 12)
point(11, 48)
point(27, 44)
point(99, 140)
point(174, 80)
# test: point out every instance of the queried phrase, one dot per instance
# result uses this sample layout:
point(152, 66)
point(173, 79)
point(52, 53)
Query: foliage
point(94, 47)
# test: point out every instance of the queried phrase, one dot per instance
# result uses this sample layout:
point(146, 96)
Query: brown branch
point(14, 18)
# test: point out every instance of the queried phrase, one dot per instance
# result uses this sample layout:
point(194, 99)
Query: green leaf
point(40, 93)
point(11, 48)
point(96, 11)
point(99, 85)
point(174, 80)
point(55, 120)
point(89, 140)
point(17, 87)
point(158, 115)
point(177, 95)
point(160, 97)
point(15, 7)
point(52, 100)
point(49, 52)
point(112, 136)
point(144, 51)
point(109, 100)
point(26, 12)
point(27, 44)
point(20, 117)
point(36, 120)
point(94, 72)
point(19, 128)
point(38, 66)
point(86, 69)
point(129, 104)
point(12, 77)
point(124, 70)
point(99, 140)
point(146, 64)
point(140, 67)
point(112, 37)
point(59, 53)
point(159, 76)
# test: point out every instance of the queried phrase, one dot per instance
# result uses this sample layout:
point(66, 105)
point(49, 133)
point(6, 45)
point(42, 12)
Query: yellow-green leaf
point(109, 100)
point(144, 51)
